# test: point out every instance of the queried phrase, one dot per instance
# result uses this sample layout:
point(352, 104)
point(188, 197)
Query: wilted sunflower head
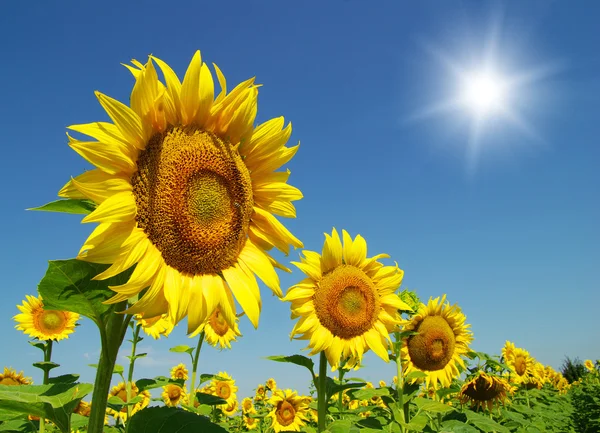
point(347, 303)
point(156, 327)
point(289, 411)
point(217, 330)
point(223, 386)
point(11, 377)
point(174, 395)
point(120, 391)
point(43, 324)
point(186, 187)
point(485, 390)
point(441, 339)
point(180, 371)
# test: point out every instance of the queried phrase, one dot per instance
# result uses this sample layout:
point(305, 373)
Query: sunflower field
point(184, 200)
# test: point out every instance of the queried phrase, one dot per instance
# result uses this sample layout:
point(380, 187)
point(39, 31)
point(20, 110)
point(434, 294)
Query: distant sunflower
point(521, 365)
point(217, 330)
point(224, 387)
point(156, 327)
point(248, 406)
point(271, 384)
point(347, 305)
point(289, 411)
point(11, 377)
point(120, 391)
point(260, 393)
point(83, 408)
point(38, 322)
point(231, 408)
point(589, 365)
point(186, 188)
point(442, 339)
point(174, 395)
point(250, 423)
point(485, 390)
point(180, 371)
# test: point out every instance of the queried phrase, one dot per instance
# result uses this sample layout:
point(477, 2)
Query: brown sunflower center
point(223, 390)
point(51, 321)
point(346, 302)
point(218, 323)
point(520, 365)
point(285, 413)
point(483, 389)
point(194, 199)
point(433, 347)
point(174, 393)
point(8, 381)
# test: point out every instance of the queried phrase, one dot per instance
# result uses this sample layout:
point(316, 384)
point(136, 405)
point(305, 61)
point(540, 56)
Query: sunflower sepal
point(71, 205)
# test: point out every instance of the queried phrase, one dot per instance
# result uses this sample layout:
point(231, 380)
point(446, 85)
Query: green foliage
point(170, 420)
point(585, 398)
point(572, 370)
point(74, 206)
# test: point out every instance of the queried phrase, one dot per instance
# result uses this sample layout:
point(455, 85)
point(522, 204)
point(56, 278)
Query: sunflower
point(521, 364)
point(250, 423)
point(180, 371)
point(35, 321)
point(186, 187)
point(120, 391)
point(347, 305)
point(271, 384)
point(442, 338)
point(223, 386)
point(217, 330)
point(589, 365)
point(230, 409)
point(83, 408)
point(173, 395)
point(156, 326)
point(485, 390)
point(11, 377)
point(289, 411)
point(248, 406)
point(260, 393)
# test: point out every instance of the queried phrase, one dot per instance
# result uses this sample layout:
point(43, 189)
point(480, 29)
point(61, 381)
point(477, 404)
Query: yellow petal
point(126, 259)
point(143, 274)
point(274, 230)
point(259, 263)
point(117, 208)
point(103, 189)
point(206, 92)
point(222, 83)
point(177, 293)
point(197, 309)
point(153, 303)
point(105, 156)
point(173, 86)
point(244, 288)
point(190, 95)
point(125, 119)
point(332, 252)
point(104, 243)
point(373, 339)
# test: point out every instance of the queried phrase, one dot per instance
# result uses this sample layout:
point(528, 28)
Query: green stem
point(400, 383)
point(47, 358)
point(114, 330)
point(341, 394)
point(322, 393)
point(134, 341)
point(195, 366)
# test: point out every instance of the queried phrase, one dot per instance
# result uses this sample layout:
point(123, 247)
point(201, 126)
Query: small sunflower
point(442, 339)
point(156, 327)
point(589, 365)
point(230, 409)
point(485, 390)
point(120, 391)
point(224, 387)
point(83, 408)
point(186, 188)
point(271, 384)
point(521, 364)
point(174, 395)
point(248, 406)
point(289, 411)
point(217, 330)
point(11, 377)
point(347, 305)
point(35, 321)
point(250, 423)
point(180, 371)
point(260, 393)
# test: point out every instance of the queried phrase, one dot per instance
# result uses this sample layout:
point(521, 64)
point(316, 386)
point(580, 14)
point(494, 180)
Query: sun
point(484, 93)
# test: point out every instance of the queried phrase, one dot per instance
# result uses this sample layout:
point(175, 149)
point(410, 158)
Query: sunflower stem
point(47, 358)
point(134, 342)
point(400, 382)
point(114, 328)
point(322, 393)
point(341, 393)
point(195, 366)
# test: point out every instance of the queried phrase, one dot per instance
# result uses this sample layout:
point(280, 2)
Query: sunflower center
point(433, 347)
point(218, 323)
point(52, 321)
point(8, 381)
point(482, 389)
point(179, 374)
point(520, 365)
point(346, 302)
point(174, 393)
point(194, 199)
point(223, 390)
point(286, 413)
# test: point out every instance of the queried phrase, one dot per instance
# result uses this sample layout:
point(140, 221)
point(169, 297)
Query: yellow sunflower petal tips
point(188, 189)
point(120, 391)
point(180, 371)
point(11, 377)
point(442, 339)
point(43, 324)
point(156, 327)
point(347, 304)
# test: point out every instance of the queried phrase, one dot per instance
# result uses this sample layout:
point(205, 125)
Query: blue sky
point(511, 235)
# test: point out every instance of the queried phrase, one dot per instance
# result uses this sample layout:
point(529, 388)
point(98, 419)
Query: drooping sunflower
point(38, 322)
point(224, 386)
point(442, 339)
point(11, 377)
point(289, 411)
point(347, 305)
point(180, 371)
point(521, 365)
point(217, 330)
point(174, 395)
point(156, 327)
point(120, 391)
point(186, 187)
point(485, 390)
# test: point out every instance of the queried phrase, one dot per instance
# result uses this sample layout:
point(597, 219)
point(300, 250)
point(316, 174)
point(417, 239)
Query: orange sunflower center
point(483, 389)
point(520, 365)
point(194, 199)
point(8, 381)
point(346, 302)
point(49, 322)
point(223, 390)
point(174, 393)
point(285, 413)
point(218, 323)
point(433, 347)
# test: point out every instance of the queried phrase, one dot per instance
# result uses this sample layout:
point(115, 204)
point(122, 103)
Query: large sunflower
point(442, 338)
point(11, 377)
point(38, 322)
point(485, 390)
point(186, 188)
point(347, 305)
point(289, 411)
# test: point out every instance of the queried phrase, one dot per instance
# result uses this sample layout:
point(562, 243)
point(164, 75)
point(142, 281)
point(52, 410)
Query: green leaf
point(157, 382)
point(182, 349)
point(22, 425)
point(333, 388)
point(116, 401)
point(65, 378)
point(367, 394)
point(78, 421)
point(68, 286)
point(206, 377)
point(209, 399)
point(343, 426)
point(300, 360)
point(484, 423)
point(414, 375)
point(46, 365)
point(75, 206)
point(432, 406)
point(455, 426)
point(39, 345)
point(170, 420)
point(55, 402)
point(418, 422)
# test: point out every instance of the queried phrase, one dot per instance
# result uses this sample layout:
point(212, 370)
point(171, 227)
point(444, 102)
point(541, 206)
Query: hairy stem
point(195, 365)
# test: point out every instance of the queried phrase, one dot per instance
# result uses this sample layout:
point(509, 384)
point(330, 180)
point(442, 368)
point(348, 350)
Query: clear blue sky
point(513, 239)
